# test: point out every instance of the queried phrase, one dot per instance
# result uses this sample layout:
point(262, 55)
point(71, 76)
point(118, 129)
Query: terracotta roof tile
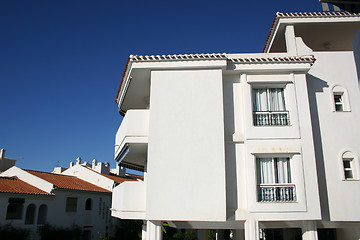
point(67, 182)
point(177, 57)
point(115, 177)
point(15, 185)
point(294, 59)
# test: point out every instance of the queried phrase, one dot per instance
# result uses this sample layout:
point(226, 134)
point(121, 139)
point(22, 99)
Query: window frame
point(279, 192)
point(348, 169)
point(349, 156)
point(270, 117)
point(71, 204)
point(339, 92)
point(339, 101)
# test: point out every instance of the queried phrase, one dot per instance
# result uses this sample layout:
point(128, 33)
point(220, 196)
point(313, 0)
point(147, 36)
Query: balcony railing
point(271, 118)
point(276, 193)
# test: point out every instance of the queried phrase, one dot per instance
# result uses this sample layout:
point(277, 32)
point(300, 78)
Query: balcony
point(271, 118)
point(129, 200)
point(132, 139)
point(276, 193)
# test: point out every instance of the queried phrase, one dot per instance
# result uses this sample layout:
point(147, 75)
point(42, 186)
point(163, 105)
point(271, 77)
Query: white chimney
point(94, 163)
point(2, 153)
point(71, 164)
point(78, 160)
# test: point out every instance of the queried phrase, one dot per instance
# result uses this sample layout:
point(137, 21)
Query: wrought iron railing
point(271, 118)
point(276, 193)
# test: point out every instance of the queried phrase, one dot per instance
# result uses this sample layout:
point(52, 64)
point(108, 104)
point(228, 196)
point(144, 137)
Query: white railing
point(271, 118)
point(276, 193)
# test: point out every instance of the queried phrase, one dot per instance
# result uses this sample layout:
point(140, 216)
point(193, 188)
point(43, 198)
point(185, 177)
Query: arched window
point(30, 214)
point(340, 99)
point(349, 164)
point(88, 204)
point(42, 215)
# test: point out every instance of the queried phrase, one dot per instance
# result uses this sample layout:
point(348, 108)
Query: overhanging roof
point(321, 31)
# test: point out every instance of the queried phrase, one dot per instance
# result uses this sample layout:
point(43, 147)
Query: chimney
point(71, 164)
point(78, 160)
point(122, 171)
point(94, 163)
point(2, 153)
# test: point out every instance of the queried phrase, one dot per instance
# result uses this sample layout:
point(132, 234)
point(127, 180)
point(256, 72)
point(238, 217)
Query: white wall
point(246, 141)
point(186, 162)
point(90, 176)
point(336, 132)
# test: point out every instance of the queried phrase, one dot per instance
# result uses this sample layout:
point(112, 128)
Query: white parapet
point(133, 129)
point(129, 200)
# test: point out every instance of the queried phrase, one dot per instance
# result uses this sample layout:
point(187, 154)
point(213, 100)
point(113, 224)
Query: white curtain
point(283, 170)
point(276, 99)
point(260, 102)
point(268, 99)
point(266, 171)
point(273, 170)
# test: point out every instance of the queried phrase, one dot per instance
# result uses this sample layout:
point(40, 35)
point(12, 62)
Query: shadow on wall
point(356, 51)
point(230, 147)
point(316, 85)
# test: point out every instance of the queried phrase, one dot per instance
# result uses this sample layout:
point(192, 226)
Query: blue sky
point(61, 63)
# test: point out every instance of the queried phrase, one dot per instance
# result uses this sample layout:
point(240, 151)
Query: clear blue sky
point(61, 63)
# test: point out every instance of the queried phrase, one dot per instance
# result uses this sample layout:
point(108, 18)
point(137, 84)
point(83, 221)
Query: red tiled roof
point(15, 185)
point(176, 57)
point(117, 179)
point(136, 176)
point(67, 182)
point(295, 59)
point(114, 177)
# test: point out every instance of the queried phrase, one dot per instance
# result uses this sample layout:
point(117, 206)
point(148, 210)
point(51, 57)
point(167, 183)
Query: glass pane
point(338, 107)
point(347, 164)
point(338, 98)
point(348, 174)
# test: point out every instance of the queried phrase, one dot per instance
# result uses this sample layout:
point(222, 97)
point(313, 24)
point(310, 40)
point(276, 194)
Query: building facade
point(76, 196)
point(263, 144)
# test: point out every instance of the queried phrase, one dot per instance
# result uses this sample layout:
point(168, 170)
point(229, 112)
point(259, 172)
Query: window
point(71, 204)
point(269, 107)
point(338, 99)
point(274, 180)
point(100, 203)
point(348, 169)
point(42, 214)
point(15, 208)
point(88, 204)
point(349, 166)
point(30, 214)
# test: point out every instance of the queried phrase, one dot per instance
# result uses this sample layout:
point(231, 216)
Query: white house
point(265, 144)
point(79, 195)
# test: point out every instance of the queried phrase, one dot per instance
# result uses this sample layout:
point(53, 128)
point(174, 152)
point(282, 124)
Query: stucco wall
point(186, 159)
point(335, 132)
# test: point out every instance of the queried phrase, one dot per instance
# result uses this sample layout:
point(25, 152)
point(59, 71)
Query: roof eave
point(125, 73)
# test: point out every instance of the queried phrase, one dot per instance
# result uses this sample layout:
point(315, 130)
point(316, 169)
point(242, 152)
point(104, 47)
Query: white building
point(264, 144)
point(79, 195)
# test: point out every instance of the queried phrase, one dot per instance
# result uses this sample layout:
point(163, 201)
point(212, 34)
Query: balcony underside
point(133, 156)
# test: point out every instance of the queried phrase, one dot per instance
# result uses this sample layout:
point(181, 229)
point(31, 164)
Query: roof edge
point(279, 15)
